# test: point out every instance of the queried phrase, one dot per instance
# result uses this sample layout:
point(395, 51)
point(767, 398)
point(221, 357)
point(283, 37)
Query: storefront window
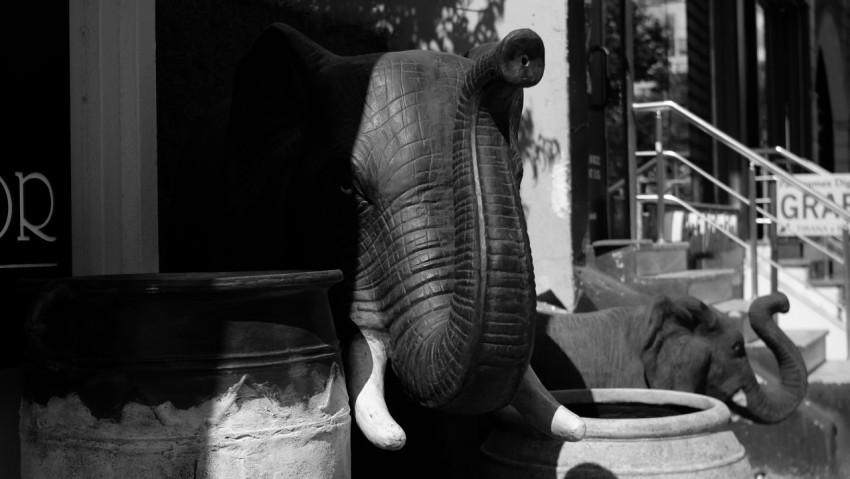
point(661, 73)
point(761, 60)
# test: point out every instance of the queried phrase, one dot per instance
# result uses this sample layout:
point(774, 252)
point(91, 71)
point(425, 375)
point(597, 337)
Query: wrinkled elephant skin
point(672, 343)
point(402, 170)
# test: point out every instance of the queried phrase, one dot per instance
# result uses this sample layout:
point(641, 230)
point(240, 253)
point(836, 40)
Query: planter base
point(693, 441)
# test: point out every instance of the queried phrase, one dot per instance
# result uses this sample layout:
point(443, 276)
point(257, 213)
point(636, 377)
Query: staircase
point(661, 268)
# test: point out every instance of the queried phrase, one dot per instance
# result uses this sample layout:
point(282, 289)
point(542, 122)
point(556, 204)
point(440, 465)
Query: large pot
point(231, 375)
point(630, 433)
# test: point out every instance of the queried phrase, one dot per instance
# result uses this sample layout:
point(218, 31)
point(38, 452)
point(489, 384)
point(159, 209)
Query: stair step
point(832, 372)
point(827, 282)
point(661, 258)
point(602, 247)
point(826, 270)
point(814, 272)
point(708, 285)
point(810, 342)
point(628, 259)
point(794, 262)
point(596, 290)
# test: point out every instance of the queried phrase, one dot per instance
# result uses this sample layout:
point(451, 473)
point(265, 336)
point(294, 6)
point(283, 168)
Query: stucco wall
point(545, 183)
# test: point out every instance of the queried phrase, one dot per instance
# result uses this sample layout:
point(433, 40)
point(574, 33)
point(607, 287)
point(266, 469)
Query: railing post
point(846, 244)
point(773, 234)
point(660, 172)
point(753, 227)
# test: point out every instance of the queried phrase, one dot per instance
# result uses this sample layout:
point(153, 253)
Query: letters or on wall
point(26, 228)
point(802, 214)
point(27, 207)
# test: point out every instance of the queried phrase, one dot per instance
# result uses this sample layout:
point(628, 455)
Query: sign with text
point(800, 213)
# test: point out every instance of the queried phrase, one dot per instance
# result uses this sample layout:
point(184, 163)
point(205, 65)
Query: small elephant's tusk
point(542, 411)
point(740, 398)
point(367, 360)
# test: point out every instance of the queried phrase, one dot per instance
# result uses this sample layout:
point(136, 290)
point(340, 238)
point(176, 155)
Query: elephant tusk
point(542, 411)
point(367, 361)
point(740, 398)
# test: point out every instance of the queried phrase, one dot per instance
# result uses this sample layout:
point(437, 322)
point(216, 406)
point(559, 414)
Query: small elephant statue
point(402, 170)
point(672, 343)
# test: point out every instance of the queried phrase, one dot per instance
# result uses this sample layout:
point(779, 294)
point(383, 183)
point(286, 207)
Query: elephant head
point(697, 348)
point(402, 170)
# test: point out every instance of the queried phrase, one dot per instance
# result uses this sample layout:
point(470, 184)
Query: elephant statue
point(401, 169)
point(672, 343)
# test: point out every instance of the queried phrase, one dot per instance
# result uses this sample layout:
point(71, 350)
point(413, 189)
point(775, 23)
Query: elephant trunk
point(772, 404)
point(472, 357)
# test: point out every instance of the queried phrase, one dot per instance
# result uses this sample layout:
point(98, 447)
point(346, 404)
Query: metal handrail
point(742, 150)
point(700, 215)
point(641, 169)
point(730, 191)
point(801, 162)
point(703, 173)
point(767, 214)
point(684, 204)
point(619, 183)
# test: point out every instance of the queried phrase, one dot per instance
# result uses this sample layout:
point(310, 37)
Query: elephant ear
point(272, 115)
point(271, 89)
point(273, 107)
point(674, 357)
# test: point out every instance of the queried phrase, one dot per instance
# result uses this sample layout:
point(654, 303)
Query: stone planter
point(219, 375)
point(630, 433)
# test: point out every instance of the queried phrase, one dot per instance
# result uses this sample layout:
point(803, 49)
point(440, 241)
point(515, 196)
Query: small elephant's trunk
point(772, 404)
point(474, 357)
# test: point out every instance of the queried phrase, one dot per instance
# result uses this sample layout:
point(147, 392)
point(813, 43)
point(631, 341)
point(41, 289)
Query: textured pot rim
point(156, 283)
point(711, 413)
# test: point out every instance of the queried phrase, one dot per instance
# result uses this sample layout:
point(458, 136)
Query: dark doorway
point(779, 62)
point(825, 141)
point(600, 59)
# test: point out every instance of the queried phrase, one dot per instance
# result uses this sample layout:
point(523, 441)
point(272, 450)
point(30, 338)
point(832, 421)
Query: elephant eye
point(738, 349)
point(352, 191)
point(347, 186)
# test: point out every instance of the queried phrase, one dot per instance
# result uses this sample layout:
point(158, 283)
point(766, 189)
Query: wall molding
point(113, 137)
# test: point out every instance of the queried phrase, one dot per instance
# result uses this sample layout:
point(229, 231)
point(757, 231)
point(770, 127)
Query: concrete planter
point(630, 433)
point(220, 375)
